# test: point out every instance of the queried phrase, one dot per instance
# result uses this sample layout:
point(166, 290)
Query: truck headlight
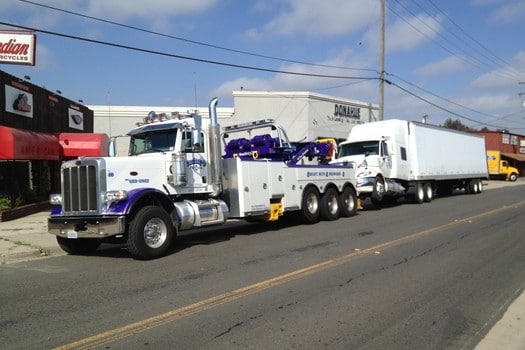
point(55, 199)
point(114, 196)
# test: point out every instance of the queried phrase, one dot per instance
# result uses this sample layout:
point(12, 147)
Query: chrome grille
point(80, 188)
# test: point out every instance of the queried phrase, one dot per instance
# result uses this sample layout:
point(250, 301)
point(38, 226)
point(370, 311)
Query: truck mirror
point(112, 148)
point(197, 139)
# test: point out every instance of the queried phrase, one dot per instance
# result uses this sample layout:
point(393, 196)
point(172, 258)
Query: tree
point(456, 125)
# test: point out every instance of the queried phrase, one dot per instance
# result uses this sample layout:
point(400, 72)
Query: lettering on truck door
point(197, 167)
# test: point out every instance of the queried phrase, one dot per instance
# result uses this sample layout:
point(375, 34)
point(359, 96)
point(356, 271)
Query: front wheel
point(150, 233)
point(378, 192)
point(78, 246)
point(513, 177)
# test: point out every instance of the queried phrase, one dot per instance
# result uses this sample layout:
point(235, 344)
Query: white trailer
point(178, 176)
point(398, 158)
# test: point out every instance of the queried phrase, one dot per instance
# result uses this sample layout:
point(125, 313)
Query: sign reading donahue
point(17, 47)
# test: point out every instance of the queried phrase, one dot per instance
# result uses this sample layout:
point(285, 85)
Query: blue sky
point(444, 58)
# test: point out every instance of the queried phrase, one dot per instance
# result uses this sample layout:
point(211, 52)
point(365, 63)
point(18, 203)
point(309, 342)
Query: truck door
point(386, 159)
point(197, 167)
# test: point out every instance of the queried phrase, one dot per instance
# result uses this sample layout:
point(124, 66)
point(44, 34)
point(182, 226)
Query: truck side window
point(403, 152)
point(384, 149)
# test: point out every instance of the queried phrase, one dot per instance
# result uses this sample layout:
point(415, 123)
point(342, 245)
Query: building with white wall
point(303, 114)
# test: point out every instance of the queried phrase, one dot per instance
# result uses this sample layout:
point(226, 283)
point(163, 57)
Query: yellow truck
point(500, 169)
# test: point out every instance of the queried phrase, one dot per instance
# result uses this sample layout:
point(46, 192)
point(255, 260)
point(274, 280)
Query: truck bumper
point(365, 184)
point(83, 227)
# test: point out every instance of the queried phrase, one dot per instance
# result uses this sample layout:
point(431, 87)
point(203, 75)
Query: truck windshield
point(152, 142)
point(356, 148)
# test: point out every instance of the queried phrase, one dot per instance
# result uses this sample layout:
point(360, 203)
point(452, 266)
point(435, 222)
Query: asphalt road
point(430, 276)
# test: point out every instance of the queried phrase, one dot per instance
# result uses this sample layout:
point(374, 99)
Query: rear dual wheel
point(423, 193)
point(474, 186)
point(310, 207)
point(328, 206)
point(419, 195)
point(330, 209)
point(348, 202)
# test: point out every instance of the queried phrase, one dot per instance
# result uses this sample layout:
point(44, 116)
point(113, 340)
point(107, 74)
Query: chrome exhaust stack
point(214, 133)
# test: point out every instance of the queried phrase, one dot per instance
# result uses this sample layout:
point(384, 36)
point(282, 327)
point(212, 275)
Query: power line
point(436, 105)
point(250, 67)
point(440, 97)
point(471, 61)
point(464, 42)
point(159, 53)
point(192, 41)
point(474, 40)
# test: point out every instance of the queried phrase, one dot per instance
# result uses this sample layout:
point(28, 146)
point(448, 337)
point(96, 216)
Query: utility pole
point(522, 95)
point(382, 64)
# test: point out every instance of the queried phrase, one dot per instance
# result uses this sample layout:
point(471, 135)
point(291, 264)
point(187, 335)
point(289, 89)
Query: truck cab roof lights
point(154, 117)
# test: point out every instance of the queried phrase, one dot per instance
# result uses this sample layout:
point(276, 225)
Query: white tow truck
point(182, 173)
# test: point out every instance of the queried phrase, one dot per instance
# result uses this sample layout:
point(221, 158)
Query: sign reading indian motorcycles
point(17, 47)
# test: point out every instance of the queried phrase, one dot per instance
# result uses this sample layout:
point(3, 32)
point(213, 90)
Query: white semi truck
point(397, 158)
point(181, 174)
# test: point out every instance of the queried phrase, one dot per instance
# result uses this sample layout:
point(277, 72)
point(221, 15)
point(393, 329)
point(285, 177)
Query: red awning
point(25, 145)
point(74, 145)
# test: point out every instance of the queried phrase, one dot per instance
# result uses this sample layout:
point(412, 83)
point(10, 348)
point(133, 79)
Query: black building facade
point(38, 130)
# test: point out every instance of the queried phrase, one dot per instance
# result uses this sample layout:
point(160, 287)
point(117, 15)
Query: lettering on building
point(345, 113)
point(17, 47)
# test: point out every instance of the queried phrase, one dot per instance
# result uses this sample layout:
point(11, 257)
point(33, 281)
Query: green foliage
point(456, 125)
point(19, 202)
point(5, 203)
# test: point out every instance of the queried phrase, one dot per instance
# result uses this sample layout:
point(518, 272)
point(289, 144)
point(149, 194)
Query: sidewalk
point(27, 239)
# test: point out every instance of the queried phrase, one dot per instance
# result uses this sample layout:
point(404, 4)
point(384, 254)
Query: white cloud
point(503, 77)
point(149, 9)
point(45, 58)
point(350, 88)
point(509, 13)
point(224, 91)
point(450, 64)
point(486, 102)
point(407, 34)
point(323, 18)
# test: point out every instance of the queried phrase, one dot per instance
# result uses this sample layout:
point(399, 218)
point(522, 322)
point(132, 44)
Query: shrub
point(5, 203)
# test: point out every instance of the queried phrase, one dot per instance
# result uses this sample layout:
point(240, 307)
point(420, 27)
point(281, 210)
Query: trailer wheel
point(310, 205)
point(78, 246)
point(472, 187)
point(480, 185)
point(348, 202)
point(429, 193)
point(419, 196)
point(513, 177)
point(150, 233)
point(378, 193)
point(330, 205)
